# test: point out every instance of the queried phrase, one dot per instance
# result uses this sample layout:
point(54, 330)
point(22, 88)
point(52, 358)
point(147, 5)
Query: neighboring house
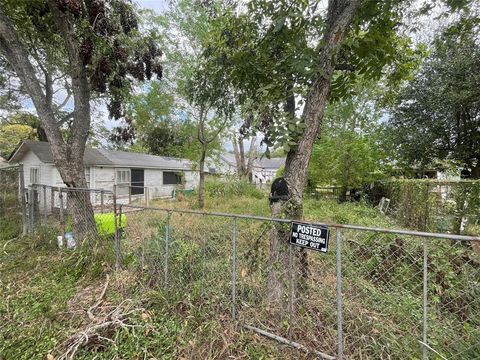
point(263, 170)
point(130, 172)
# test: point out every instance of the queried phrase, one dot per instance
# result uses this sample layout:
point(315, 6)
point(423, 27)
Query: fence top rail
point(70, 189)
point(434, 181)
point(9, 167)
point(333, 225)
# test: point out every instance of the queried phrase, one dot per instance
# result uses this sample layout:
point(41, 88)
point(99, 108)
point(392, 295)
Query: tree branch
point(17, 56)
point(66, 118)
point(80, 86)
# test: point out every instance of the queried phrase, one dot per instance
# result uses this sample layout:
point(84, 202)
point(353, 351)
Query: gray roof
point(229, 159)
point(272, 163)
point(102, 157)
point(263, 162)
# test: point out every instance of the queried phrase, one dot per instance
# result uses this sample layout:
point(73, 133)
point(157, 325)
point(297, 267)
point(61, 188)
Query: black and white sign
point(309, 236)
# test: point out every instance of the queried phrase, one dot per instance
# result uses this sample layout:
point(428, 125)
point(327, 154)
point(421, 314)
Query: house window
point(172, 178)
point(122, 179)
point(34, 175)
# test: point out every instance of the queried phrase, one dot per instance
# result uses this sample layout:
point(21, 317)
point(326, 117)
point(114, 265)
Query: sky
point(159, 6)
point(155, 5)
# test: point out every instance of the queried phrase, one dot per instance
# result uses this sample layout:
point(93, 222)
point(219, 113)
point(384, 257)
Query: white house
point(130, 172)
point(263, 170)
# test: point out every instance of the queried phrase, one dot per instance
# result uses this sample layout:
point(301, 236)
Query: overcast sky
point(155, 5)
point(428, 25)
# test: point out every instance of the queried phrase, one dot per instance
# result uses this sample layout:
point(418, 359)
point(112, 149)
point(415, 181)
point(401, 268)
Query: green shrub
point(233, 187)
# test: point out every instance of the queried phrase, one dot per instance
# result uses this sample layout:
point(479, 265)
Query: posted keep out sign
point(312, 237)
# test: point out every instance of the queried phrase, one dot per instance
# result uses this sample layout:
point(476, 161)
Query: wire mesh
point(187, 255)
point(306, 312)
point(391, 303)
point(11, 201)
point(73, 217)
point(383, 294)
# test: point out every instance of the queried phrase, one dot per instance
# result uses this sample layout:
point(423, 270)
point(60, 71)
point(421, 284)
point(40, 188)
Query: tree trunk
point(339, 17)
point(67, 154)
point(79, 205)
point(201, 184)
point(244, 163)
point(236, 152)
point(242, 173)
point(343, 194)
point(251, 158)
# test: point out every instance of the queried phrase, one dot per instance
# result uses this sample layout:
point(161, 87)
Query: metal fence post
point(30, 209)
point(118, 236)
point(425, 299)
point(204, 259)
point(45, 202)
point(167, 235)
point(234, 268)
point(101, 201)
point(291, 287)
point(21, 175)
point(62, 219)
point(339, 295)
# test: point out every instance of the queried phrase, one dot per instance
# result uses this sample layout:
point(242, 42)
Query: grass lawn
point(49, 297)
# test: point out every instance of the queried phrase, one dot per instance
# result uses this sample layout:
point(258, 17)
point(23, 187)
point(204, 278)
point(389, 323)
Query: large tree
point(63, 52)
point(287, 58)
point(438, 113)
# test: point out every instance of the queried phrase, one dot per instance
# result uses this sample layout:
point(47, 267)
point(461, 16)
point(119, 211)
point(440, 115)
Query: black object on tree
point(465, 173)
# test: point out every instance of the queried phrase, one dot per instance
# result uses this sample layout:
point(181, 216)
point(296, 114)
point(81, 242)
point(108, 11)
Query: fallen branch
point(99, 301)
point(289, 342)
point(96, 331)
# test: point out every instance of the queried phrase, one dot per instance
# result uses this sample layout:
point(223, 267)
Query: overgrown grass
point(46, 292)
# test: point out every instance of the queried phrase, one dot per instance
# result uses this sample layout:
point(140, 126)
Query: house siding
point(154, 181)
point(103, 177)
point(31, 160)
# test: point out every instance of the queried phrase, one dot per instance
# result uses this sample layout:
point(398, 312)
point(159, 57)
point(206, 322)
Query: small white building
point(263, 170)
point(132, 173)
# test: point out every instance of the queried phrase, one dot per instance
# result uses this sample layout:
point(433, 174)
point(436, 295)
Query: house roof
point(264, 163)
point(272, 163)
point(3, 162)
point(103, 157)
point(229, 159)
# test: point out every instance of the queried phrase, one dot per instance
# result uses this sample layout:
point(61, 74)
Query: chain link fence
point(376, 293)
point(12, 202)
point(70, 217)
